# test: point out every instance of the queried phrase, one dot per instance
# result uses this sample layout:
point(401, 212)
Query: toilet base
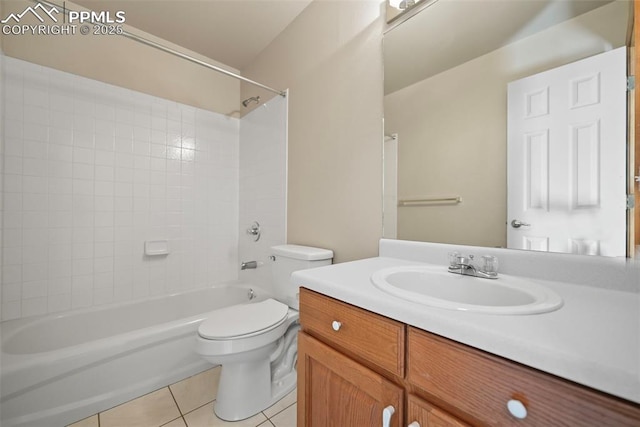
point(230, 408)
point(252, 381)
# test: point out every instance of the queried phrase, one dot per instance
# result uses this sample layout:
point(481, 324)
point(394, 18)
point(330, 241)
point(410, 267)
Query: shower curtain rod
point(174, 52)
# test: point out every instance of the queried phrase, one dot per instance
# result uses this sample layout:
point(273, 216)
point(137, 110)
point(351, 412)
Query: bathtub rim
point(12, 326)
point(20, 365)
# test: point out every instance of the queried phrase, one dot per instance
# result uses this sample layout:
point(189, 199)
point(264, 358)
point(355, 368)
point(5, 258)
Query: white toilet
point(256, 343)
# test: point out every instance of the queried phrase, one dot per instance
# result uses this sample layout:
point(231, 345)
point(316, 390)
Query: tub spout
point(248, 264)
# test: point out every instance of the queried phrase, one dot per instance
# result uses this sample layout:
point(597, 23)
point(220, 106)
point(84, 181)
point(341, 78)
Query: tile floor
point(188, 403)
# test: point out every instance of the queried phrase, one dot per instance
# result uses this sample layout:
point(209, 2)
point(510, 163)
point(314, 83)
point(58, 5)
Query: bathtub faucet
point(248, 264)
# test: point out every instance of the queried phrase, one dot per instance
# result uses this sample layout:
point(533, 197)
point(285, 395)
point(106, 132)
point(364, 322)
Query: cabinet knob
point(414, 424)
point(517, 409)
point(386, 415)
point(336, 325)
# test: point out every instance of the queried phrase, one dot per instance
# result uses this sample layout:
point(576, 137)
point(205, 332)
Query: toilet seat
point(243, 320)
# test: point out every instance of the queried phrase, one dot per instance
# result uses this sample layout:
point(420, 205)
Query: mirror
point(447, 69)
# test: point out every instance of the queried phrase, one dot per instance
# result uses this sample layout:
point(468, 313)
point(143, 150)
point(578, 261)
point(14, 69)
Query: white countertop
point(593, 339)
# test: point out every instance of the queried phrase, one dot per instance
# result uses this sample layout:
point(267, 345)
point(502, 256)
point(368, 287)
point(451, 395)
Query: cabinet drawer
point(477, 386)
point(372, 339)
point(426, 415)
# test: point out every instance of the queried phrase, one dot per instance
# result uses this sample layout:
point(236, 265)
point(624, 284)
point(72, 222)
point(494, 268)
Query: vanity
point(369, 358)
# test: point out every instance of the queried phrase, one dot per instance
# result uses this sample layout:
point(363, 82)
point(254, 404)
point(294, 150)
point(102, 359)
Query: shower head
point(248, 101)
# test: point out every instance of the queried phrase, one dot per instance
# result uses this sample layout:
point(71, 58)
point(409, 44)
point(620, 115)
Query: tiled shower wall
point(92, 171)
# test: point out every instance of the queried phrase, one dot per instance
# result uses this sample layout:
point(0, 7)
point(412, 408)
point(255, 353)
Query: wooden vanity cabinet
point(426, 415)
point(351, 366)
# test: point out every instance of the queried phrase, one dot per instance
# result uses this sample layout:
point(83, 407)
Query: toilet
point(256, 343)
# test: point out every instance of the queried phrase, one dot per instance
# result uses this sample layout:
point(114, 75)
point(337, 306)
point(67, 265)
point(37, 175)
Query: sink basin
point(434, 286)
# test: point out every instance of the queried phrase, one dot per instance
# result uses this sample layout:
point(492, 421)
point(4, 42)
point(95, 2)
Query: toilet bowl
point(256, 343)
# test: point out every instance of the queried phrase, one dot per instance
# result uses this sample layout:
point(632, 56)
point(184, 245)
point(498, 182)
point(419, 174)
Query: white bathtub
point(57, 369)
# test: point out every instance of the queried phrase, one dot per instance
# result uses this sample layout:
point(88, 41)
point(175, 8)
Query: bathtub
point(57, 369)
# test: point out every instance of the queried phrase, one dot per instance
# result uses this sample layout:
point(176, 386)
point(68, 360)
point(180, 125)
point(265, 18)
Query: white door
point(567, 158)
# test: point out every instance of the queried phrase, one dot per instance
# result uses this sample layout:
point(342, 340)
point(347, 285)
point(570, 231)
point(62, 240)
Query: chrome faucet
point(465, 266)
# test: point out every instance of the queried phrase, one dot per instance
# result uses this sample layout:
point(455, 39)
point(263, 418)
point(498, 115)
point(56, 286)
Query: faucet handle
point(454, 258)
point(489, 264)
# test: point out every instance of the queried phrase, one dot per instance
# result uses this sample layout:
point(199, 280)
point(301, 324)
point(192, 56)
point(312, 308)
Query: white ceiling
point(232, 32)
point(450, 32)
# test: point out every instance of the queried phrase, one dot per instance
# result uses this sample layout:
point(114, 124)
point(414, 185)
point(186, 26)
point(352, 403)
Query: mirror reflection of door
point(567, 158)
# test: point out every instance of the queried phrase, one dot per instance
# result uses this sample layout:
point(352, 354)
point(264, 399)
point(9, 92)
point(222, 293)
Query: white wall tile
point(104, 158)
point(34, 219)
point(58, 286)
point(34, 289)
point(34, 167)
point(13, 183)
point(11, 274)
point(59, 169)
point(34, 306)
point(57, 303)
point(34, 149)
point(90, 172)
point(32, 272)
point(83, 155)
point(11, 310)
point(11, 292)
point(35, 132)
point(59, 152)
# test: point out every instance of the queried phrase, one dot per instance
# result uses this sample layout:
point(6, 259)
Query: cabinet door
point(425, 415)
point(335, 391)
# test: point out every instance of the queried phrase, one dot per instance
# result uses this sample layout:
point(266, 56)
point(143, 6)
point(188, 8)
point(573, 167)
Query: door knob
point(517, 224)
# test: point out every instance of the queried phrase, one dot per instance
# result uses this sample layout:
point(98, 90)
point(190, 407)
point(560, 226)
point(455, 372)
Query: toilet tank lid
point(306, 253)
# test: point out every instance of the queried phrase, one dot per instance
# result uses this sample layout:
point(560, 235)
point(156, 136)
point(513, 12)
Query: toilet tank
point(289, 258)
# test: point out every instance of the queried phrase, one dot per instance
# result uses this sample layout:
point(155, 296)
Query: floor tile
point(205, 417)
point(286, 418)
point(197, 390)
point(266, 424)
point(153, 409)
point(176, 423)
point(87, 422)
point(282, 404)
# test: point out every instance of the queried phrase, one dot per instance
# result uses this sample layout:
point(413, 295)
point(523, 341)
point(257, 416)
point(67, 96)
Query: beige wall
point(119, 61)
point(330, 58)
point(452, 129)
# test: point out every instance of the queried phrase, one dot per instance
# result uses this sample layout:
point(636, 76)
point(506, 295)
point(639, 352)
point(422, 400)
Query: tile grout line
point(279, 412)
point(174, 399)
point(178, 406)
point(201, 406)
